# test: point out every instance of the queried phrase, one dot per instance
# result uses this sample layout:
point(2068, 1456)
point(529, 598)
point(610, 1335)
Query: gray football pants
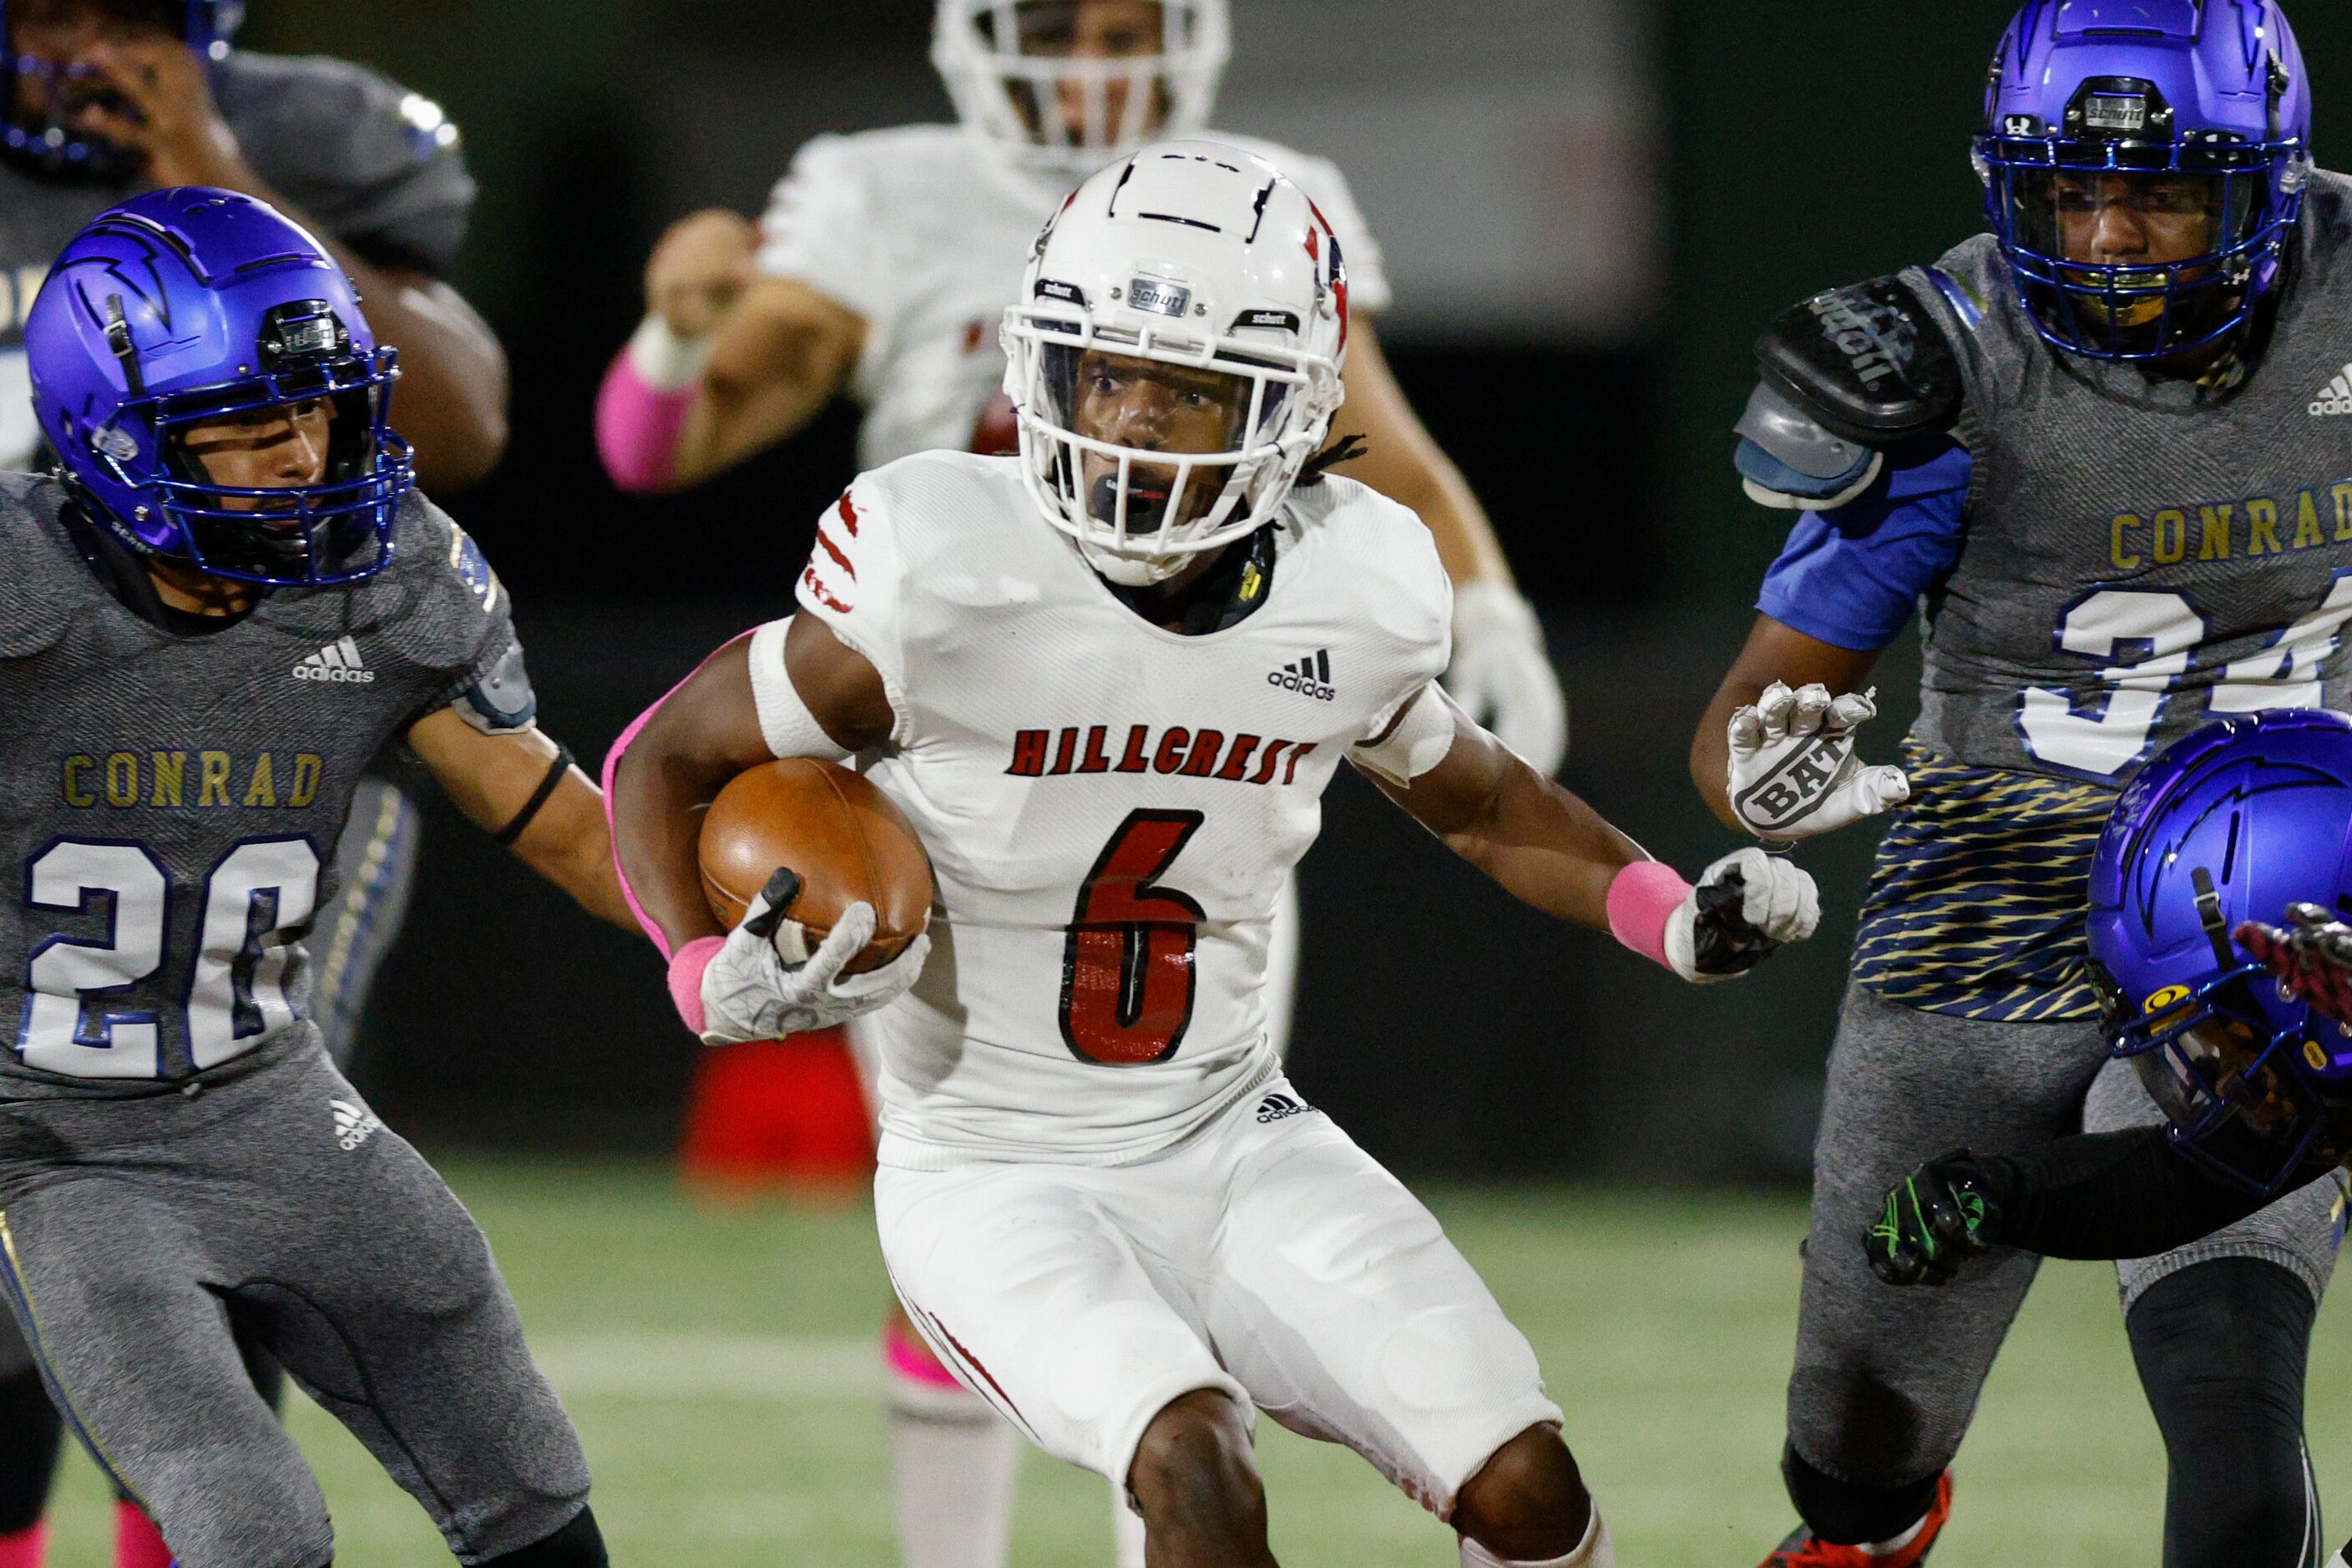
point(1886, 1379)
point(133, 1228)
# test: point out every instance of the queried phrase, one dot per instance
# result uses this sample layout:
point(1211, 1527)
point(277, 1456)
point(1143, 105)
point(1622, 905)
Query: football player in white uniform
point(881, 270)
point(1099, 1198)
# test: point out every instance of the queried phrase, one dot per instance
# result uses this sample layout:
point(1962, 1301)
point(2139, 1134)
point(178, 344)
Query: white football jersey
point(924, 234)
point(1111, 808)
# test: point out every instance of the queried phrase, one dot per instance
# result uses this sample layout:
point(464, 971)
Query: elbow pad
point(1847, 375)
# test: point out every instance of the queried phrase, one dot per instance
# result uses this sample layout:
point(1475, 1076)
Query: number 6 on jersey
point(1128, 975)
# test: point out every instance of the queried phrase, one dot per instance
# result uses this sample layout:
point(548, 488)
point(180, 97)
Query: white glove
point(765, 983)
point(1501, 678)
point(1745, 906)
point(1793, 771)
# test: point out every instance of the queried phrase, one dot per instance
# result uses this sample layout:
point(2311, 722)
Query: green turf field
point(718, 1361)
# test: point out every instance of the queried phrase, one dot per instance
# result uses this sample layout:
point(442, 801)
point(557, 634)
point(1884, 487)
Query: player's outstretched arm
point(1797, 701)
point(1500, 671)
point(726, 363)
point(2094, 1196)
point(1550, 849)
point(521, 786)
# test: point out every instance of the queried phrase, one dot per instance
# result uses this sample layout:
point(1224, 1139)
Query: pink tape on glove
point(1640, 900)
point(638, 427)
point(686, 977)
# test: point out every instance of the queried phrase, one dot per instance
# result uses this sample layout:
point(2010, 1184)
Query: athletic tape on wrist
point(1641, 901)
point(664, 361)
point(685, 970)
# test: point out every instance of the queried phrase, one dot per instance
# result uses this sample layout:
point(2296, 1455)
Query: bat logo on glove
point(1793, 773)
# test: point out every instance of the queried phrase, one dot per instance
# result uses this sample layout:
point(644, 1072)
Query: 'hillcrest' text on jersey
point(1111, 807)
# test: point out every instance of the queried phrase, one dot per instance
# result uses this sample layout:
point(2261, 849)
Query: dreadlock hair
point(1345, 449)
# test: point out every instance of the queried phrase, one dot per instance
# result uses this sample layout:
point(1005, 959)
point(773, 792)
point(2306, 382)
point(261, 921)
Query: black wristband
point(540, 797)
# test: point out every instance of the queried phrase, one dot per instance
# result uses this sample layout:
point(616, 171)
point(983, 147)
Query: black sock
point(2222, 1349)
point(29, 1429)
point(1844, 1514)
point(577, 1545)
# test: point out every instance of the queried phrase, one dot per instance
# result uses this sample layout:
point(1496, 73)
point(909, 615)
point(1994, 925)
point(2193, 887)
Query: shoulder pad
point(1869, 364)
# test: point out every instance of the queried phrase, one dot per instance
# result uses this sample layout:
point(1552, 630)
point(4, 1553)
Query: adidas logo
point(2337, 396)
point(354, 1124)
point(339, 664)
point(1310, 676)
point(1282, 1108)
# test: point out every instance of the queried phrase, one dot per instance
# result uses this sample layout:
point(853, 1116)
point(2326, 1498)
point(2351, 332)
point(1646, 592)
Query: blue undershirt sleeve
point(1851, 577)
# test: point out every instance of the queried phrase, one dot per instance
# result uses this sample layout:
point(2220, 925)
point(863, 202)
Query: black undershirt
point(2110, 1194)
point(1226, 594)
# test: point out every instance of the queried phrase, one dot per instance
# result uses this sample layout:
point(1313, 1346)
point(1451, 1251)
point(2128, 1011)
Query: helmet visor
point(2134, 250)
point(293, 478)
point(1090, 75)
point(1154, 444)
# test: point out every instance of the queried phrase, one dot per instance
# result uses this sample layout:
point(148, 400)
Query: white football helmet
point(1199, 269)
point(1012, 65)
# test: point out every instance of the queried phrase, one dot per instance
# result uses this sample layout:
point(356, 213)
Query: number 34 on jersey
point(2146, 642)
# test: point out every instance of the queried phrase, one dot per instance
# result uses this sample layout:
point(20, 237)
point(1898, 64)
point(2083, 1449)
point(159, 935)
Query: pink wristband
point(638, 427)
point(686, 977)
point(1640, 900)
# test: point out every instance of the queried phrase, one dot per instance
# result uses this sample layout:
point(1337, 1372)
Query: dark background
point(1794, 144)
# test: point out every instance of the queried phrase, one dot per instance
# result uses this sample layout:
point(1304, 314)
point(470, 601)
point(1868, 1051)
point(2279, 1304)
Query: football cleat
point(1802, 1551)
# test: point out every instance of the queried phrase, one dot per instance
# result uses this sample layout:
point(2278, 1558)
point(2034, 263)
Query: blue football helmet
point(37, 95)
point(184, 307)
point(2230, 824)
point(2196, 115)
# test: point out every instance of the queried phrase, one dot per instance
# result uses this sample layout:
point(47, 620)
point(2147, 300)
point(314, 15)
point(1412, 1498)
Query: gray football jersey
point(2142, 554)
point(373, 164)
point(171, 802)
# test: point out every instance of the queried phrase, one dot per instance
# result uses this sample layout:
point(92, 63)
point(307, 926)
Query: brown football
point(846, 840)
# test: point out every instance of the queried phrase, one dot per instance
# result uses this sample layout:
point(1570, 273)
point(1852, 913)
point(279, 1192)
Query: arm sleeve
point(852, 584)
point(2109, 1195)
point(1368, 273)
point(380, 168)
point(820, 229)
point(1851, 577)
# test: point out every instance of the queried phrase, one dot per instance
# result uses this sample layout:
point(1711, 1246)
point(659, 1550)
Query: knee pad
point(1845, 1514)
point(579, 1544)
point(30, 1428)
point(2222, 1349)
